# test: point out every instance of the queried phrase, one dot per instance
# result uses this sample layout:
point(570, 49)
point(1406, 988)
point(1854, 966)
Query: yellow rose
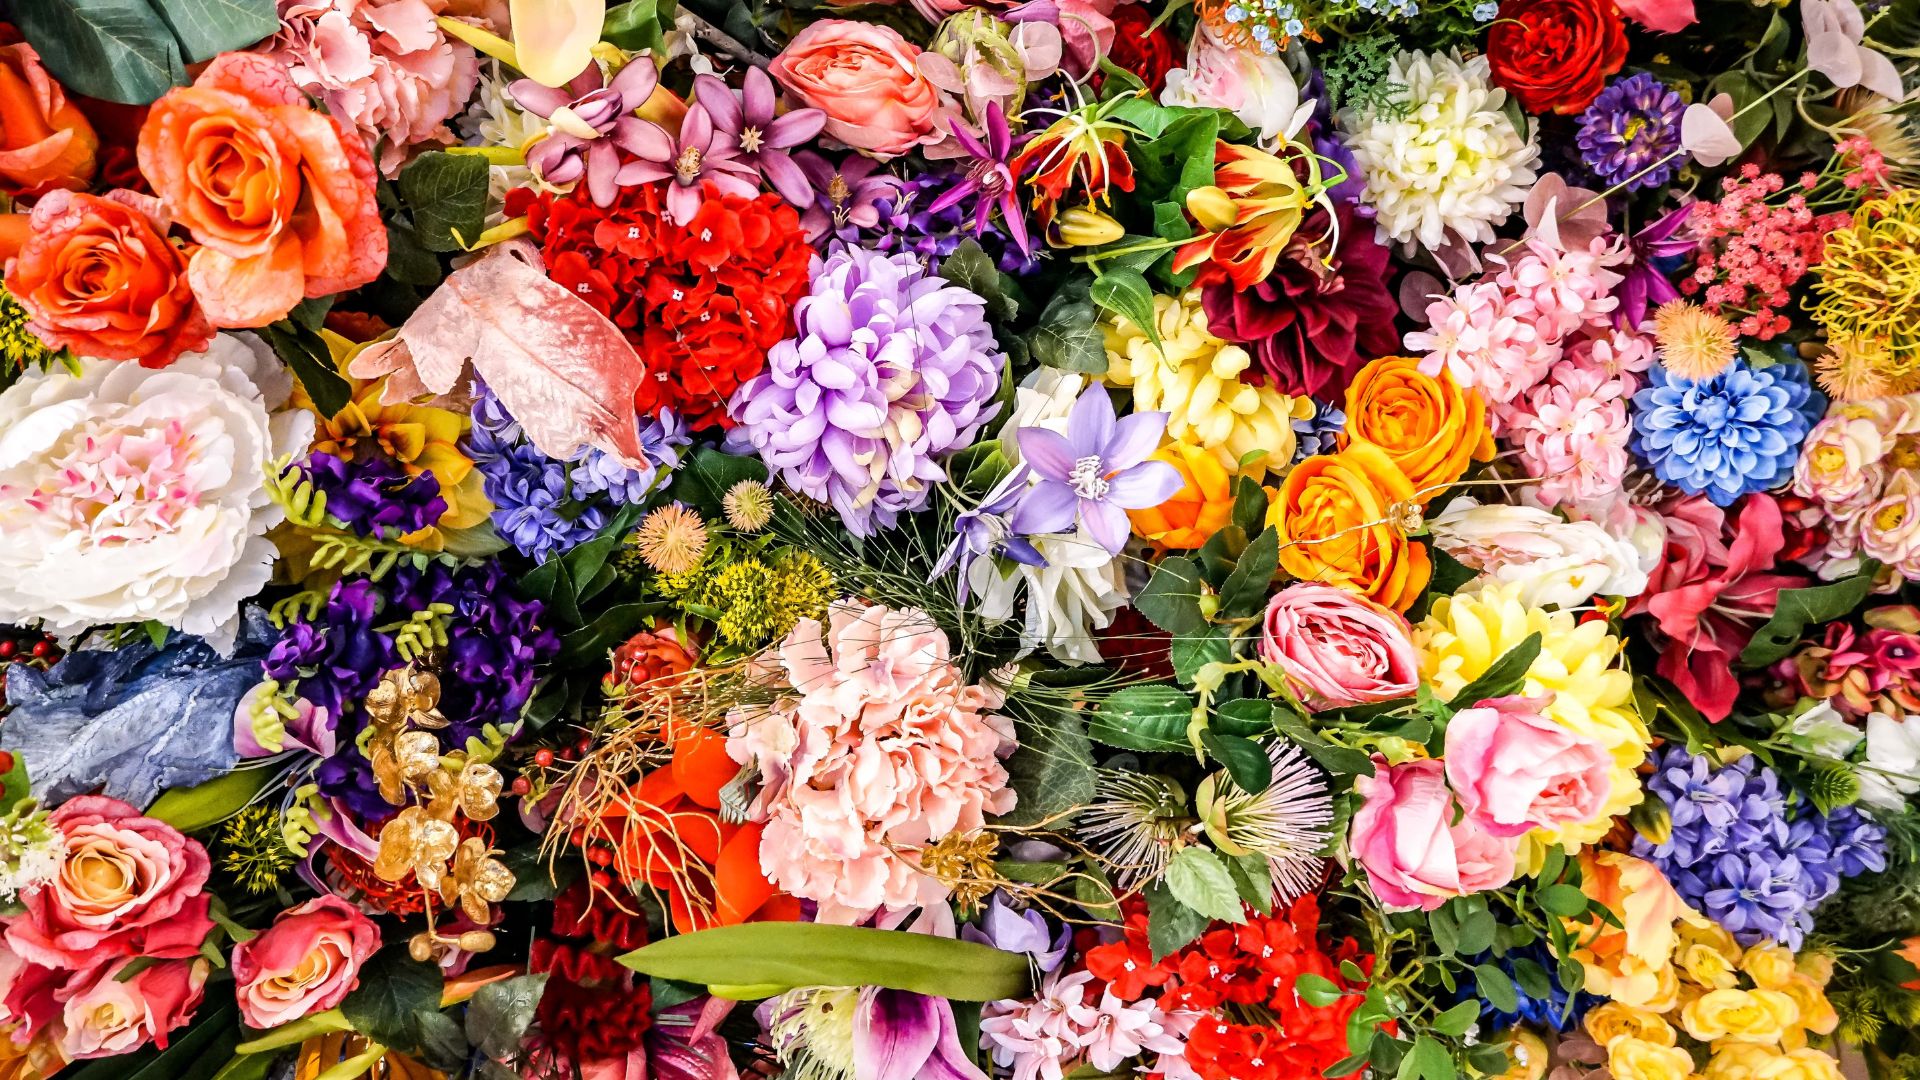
point(1338, 517)
point(1754, 1016)
point(1811, 1065)
point(1629, 1058)
point(1744, 1061)
point(1770, 965)
point(1527, 1053)
point(1704, 965)
point(1816, 1012)
point(1817, 966)
point(1614, 1020)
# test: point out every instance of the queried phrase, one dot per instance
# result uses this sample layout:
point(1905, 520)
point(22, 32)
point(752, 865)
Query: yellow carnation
point(1629, 1058)
point(1755, 1016)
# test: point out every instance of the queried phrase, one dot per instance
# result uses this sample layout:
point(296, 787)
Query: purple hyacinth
point(374, 497)
point(909, 223)
point(1632, 125)
point(590, 117)
point(596, 472)
point(1094, 473)
point(892, 368)
point(531, 505)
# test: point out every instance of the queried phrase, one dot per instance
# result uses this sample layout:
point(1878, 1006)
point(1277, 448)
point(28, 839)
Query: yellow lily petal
point(555, 38)
point(489, 43)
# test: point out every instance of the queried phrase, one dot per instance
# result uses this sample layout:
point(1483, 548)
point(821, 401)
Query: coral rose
point(45, 141)
point(1203, 504)
point(1338, 517)
point(1338, 649)
point(128, 886)
point(1556, 54)
point(281, 197)
point(1414, 851)
point(1515, 770)
point(650, 659)
point(1429, 425)
point(112, 1017)
point(867, 79)
point(98, 276)
point(306, 962)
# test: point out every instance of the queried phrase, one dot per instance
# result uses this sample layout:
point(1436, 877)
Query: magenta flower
point(760, 139)
point(901, 1035)
point(989, 178)
point(846, 197)
point(701, 155)
point(590, 118)
point(1094, 473)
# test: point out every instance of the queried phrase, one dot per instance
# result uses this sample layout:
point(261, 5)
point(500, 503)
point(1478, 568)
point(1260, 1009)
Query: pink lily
point(762, 140)
point(701, 155)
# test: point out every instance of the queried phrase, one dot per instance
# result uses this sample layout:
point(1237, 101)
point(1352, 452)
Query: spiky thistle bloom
point(256, 849)
point(671, 539)
point(1694, 342)
point(1286, 822)
point(1854, 369)
point(748, 506)
point(1867, 284)
point(1134, 823)
point(812, 1031)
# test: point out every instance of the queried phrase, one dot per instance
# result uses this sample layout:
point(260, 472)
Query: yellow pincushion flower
point(1866, 287)
point(1197, 381)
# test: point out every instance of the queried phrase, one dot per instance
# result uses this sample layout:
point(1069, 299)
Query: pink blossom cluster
point(1504, 333)
point(1861, 467)
point(1753, 250)
point(1571, 430)
point(879, 750)
point(1062, 1026)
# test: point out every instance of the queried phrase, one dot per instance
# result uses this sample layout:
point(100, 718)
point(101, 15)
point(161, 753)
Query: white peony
point(1452, 161)
point(1891, 770)
point(1555, 562)
point(131, 493)
point(1076, 593)
point(1251, 85)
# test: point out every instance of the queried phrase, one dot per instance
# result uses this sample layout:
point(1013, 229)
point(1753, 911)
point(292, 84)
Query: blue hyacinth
point(1736, 432)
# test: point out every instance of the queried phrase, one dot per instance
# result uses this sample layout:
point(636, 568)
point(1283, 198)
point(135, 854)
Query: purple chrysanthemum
point(1630, 126)
point(892, 367)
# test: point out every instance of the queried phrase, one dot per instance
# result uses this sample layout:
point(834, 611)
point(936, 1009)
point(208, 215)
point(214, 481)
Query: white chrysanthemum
point(1452, 160)
point(1074, 594)
point(494, 121)
point(130, 494)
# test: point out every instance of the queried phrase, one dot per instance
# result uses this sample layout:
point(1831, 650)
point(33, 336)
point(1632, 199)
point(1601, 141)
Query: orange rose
point(1429, 425)
point(1336, 525)
point(99, 276)
point(280, 196)
point(867, 79)
point(1203, 504)
point(45, 142)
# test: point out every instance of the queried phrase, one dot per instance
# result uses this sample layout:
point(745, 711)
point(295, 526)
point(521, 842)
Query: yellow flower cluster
point(1867, 296)
point(1197, 380)
point(1578, 665)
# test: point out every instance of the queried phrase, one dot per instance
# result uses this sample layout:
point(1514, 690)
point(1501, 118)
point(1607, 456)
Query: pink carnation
point(384, 66)
point(880, 749)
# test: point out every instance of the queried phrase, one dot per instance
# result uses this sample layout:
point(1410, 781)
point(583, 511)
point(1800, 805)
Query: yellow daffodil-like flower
point(1195, 378)
point(1754, 1016)
point(1615, 1020)
point(1578, 665)
point(1629, 1058)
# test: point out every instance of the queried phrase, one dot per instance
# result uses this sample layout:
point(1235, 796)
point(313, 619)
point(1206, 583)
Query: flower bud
point(1083, 226)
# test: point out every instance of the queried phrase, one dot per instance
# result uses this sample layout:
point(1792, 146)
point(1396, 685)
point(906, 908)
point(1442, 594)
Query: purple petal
point(635, 82)
point(1106, 523)
point(696, 129)
point(1090, 423)
point(683, 201)
point(894, 1033)
point(718, 101)
point(953, 195)
point(603, 167)
point(537, 99)
point(1132, 439)
point(756, 90)
point(794, 128)
point(1016, 221)
point(999, 137)
point(1147, 484)
point(647, 140)
point(786, 178)
point(1048, 508)
point(974, 147)
point(1049, 452)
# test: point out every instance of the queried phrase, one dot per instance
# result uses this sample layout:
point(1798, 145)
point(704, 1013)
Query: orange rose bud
point(1338, 519)
point(45, 141)
point(1430, 426)
point(1203, 504)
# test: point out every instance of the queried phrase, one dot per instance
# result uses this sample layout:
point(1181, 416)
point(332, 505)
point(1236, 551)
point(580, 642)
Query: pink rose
point(1414, 853)
point(304, 963)
point(1515, 770)
point(129, 886)
point(1337, 648)
point(104, 1017)
point(867, 79)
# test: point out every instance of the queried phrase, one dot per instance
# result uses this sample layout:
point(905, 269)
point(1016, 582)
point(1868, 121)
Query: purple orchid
point(761, 140)
point(984, 530)
point(1645, 286)
point(901, 1035)
point(684, 1042)
point(1095, 473)
point(702, 154)
point(589, 118)
point(989, 179)
point(846, 196)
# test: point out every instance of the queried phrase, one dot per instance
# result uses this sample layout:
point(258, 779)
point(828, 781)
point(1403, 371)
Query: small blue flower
point(1737, 432)
point(1485, 12)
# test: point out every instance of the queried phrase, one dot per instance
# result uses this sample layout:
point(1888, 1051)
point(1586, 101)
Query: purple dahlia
point(892, 366)
point(1633, 125)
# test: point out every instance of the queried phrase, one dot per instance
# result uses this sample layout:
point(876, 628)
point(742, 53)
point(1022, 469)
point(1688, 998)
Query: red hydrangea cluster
point(701, 302)
point(1244, 972)
point(1752, 249)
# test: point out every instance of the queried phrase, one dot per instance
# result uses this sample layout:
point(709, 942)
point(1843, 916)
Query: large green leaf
point(1147, 717)
point(394, 990)
point(1053, 771)
point(194, 808)
point(207, 28)
point(448, 196)
point(1796, 609)
point(1200, 880)
point(769, 958)
point(118, 50)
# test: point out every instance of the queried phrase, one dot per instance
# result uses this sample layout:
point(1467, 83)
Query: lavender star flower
point(590, 117)
point(761, 139)
point(846, 197)
point(1094, 473)
point(1646, 287)
point(989, 179)
point(984, 530)
point(701, 154)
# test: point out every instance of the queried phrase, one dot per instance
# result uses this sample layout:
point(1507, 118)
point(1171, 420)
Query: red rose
point(1556, 54)
point(1148, 54)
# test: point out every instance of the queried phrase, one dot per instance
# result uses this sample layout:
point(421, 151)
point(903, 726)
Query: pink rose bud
point(1415, 854)
point(1338, 649)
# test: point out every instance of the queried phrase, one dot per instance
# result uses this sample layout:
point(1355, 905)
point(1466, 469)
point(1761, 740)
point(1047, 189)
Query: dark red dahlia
point(1146, 53)
point(593, 1009)
point(1315, 321)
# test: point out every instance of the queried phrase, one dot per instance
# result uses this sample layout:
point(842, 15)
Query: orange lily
point(1250, 212)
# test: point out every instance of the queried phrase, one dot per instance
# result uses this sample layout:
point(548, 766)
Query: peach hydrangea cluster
point(876, 749)
point(1861, 469)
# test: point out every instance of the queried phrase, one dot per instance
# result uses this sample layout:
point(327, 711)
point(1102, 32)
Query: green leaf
point(499, 1014)
point(1748, 124)
point(1249, 505)
point(394, 989)
point(786, 955)
point(442, 1042)
point(1490, 1059)
point(305, 352)
point(1339, 760)
point(1563, 900)
point(118, 50)
point(1193, 651)
point(1245, 762)
point(1200, 880)
point(1171, 598)
point(1456, 1020)
point(1346, 1066)
point(971, 269)
point(246, 1067)
point(1245, 590)
point(207, 28)
point(1053, 772)
point(639, 25)
point(1317, 990)
point(1245, 717)
point(1494, 985)
point(408, 260)
point(1507, 675)
point(1796, 609)
point(1446, 930)
point(1476, 932)
point(1146, 717)
point(1253, 880)
point(1170, 923)
point(702, 481)
point(1532, 978)
point(447, 194)
point(1126, 293)
point(1429, 1060)
point(1068, 336)
point(195, 808)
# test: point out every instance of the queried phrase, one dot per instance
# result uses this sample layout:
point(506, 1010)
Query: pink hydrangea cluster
point(876, 749)
point(1753, 249)
point(1504, 333)
point(1571, 431)
point(1860, 467)
point(384, 66)
point(1060, 1028)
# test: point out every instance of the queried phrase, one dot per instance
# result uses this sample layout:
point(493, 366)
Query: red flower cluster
point(1556, 54)
point(701, 302)
point(593, 1009)
point(1753, 249)
point(1251, 968)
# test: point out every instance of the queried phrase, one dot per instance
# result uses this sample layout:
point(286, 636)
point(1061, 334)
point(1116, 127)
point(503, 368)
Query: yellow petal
point(555, 38)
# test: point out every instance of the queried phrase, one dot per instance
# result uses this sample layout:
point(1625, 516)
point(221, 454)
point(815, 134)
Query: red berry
point(42, 648)
point(6, 762)
point(520, 785)
point(603, 881)
point(7, 649)
point(600, 856)
point(543, 757)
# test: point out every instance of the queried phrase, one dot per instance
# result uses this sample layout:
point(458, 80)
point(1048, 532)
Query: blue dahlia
point(1736, 432)
point(1558, 1011)
point(1632, 125)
